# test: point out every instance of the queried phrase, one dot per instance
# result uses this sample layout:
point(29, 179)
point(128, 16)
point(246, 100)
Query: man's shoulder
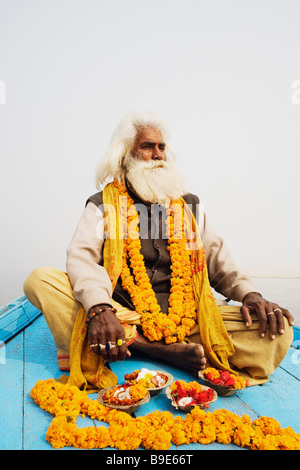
point(96, 198)
point(191, 198)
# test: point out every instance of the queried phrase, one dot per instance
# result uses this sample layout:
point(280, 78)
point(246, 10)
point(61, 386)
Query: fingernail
point(262, 335)
point(282, 331)
point(273, 337)
point(247, 325)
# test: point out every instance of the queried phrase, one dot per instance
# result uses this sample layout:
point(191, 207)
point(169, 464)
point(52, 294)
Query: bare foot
point(188, 356)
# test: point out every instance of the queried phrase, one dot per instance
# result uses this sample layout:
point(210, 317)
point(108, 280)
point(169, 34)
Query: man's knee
point(35, 283)
point(288, 335)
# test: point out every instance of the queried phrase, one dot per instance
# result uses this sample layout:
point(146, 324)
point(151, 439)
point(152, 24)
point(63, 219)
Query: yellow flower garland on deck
point(156, 430)
point(181, 317)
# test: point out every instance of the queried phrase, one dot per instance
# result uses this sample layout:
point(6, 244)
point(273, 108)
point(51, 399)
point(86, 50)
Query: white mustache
point(150, 164)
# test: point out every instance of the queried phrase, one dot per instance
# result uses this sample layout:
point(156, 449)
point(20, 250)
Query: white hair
point(122, 143)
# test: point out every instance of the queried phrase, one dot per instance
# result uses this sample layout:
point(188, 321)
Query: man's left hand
point(268, 313)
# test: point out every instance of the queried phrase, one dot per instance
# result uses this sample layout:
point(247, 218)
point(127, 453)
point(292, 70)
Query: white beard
point(154, 181)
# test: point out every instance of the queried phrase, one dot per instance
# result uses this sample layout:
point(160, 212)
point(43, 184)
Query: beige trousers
point(255, 358)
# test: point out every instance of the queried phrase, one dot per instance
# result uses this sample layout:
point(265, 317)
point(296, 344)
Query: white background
point(220, 72)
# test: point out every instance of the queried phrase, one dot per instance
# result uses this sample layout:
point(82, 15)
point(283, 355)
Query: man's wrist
point(98, 310)
point(251, 293)
point(100, 306)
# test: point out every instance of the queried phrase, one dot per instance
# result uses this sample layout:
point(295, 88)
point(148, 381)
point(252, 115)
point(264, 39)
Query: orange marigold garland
point(157, 430)
point(181, 317)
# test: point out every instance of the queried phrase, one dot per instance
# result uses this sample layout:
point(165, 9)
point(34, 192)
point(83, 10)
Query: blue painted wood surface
point(31, 356)
point(15, 316)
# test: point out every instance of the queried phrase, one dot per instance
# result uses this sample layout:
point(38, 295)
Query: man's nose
point(158, 154)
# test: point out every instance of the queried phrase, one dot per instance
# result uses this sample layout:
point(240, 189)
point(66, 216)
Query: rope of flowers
point(180, 319)
point(157, 430)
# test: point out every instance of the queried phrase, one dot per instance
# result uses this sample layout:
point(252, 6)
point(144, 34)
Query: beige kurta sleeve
point(89, 280)
point(224, 275)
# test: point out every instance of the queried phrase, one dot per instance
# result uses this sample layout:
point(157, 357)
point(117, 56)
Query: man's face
point(149, 145)
point(152, 177)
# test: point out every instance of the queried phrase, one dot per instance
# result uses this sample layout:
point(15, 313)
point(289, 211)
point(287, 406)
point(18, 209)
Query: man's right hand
point(105, 328)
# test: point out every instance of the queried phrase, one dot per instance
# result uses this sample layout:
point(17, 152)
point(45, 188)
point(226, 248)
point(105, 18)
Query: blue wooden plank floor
point(31, 356)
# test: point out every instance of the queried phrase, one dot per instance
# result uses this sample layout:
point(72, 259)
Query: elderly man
point(136, 272)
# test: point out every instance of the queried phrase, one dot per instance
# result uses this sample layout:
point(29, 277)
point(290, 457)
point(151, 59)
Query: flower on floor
point(149, 378)
point(126, 394)
point(190, 393)
point(221, 377)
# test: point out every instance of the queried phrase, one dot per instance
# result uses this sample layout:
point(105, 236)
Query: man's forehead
point(149, 134)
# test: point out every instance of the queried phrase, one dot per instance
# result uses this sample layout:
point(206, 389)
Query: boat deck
point(29, 355)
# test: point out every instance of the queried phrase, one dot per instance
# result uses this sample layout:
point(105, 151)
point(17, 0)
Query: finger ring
point(110, 345)
point(277, 310)
point(98, 345)
point(120, 342)
point(270, 313)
